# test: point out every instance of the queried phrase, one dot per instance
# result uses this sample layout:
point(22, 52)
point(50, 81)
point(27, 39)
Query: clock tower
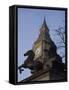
point(44, 48)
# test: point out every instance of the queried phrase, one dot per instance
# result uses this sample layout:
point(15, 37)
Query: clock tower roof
point(44, 33)
point(44, 26)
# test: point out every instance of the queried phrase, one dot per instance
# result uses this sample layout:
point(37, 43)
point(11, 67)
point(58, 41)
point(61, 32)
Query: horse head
point(29, 60)
point(29, 53)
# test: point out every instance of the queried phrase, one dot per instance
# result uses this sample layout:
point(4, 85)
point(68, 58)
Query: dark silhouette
point(30, 63)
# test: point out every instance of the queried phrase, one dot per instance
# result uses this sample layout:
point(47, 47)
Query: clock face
point(38, 52)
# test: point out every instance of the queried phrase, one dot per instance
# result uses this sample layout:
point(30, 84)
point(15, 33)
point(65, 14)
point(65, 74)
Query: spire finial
point(44, 20)
point(44, 23)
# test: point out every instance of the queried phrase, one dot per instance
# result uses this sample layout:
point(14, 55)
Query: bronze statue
point(30, 63)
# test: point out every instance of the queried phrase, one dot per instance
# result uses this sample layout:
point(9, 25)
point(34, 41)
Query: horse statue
point(30, 63)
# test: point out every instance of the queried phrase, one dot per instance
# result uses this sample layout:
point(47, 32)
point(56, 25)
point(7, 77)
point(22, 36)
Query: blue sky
point(29, 23)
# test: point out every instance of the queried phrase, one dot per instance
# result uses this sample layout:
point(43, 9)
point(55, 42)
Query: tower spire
point(44, 22)
point(44, 25)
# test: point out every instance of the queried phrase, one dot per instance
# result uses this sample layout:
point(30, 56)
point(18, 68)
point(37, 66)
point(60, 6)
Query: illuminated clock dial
point(38, 52)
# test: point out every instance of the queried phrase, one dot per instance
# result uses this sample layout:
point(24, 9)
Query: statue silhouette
point(30, 63)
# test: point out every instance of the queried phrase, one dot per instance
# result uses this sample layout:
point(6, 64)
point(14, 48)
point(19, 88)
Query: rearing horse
point(30, 63)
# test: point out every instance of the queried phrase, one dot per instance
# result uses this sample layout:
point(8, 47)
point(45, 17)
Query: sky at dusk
point(29, 23)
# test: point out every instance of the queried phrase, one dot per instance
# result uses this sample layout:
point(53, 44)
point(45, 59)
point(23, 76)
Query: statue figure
point(30, 63)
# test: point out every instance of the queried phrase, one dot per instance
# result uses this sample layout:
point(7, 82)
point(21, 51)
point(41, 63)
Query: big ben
point(43, 45)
